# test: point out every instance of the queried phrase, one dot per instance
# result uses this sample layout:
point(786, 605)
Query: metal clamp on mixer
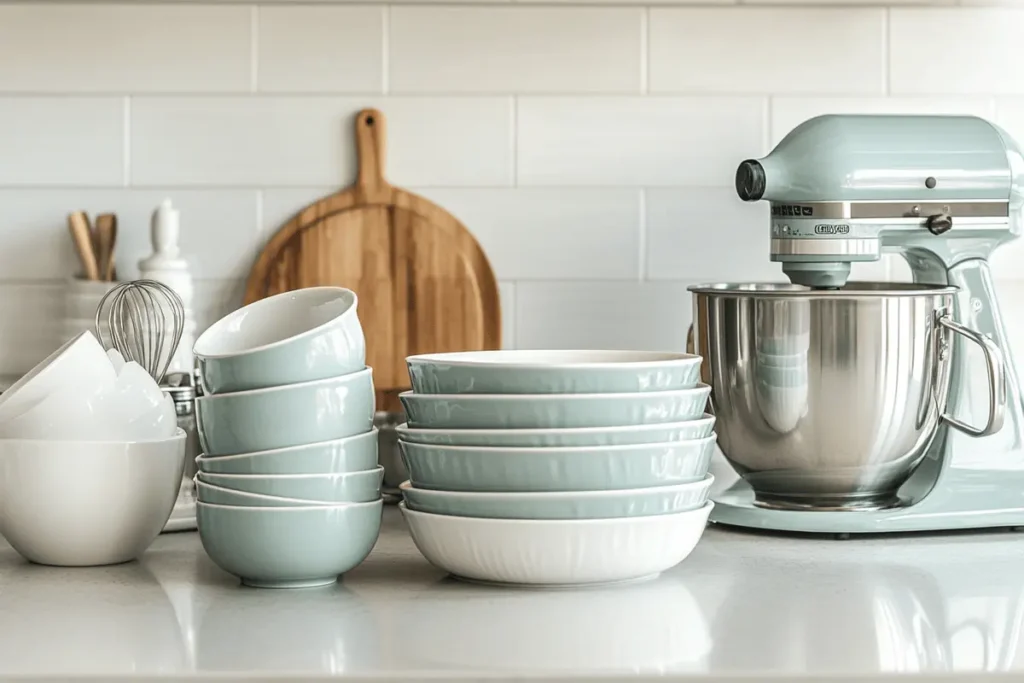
point(853, 407)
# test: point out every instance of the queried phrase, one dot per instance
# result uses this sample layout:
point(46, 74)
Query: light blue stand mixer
point(872, 407)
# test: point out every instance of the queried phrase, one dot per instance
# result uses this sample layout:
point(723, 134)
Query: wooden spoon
point(106, 237)
point(78, 224)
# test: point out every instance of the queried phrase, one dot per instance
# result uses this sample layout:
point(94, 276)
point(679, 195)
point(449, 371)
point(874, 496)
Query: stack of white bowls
point(556, 467)
point(288, 484)
point(91, 458)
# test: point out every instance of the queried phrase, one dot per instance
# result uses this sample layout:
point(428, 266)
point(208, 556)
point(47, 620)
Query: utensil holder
point(81, 297)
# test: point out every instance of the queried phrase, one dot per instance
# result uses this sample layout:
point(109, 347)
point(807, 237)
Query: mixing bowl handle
point(996, 381)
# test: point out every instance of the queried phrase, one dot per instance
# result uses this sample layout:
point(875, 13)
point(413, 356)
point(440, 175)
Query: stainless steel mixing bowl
point(830, 398)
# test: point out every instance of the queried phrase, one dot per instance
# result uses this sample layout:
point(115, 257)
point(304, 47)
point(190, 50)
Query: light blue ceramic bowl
point(552, 372)
point(546, 411)
point(296, 336)
point(593, 468)
point(659, 500)
point(292, 415)
point(351, 454)
point(219, 495)
point(350, 487)
point(298, 547)
point(584, 436)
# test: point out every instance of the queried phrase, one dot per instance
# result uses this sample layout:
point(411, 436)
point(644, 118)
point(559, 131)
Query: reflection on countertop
point(741, 604)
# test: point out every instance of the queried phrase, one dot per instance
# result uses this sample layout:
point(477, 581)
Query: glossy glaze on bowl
point(593, 468)
point(556, 552)
point(583, 436)
point(220, 495)
point(659, 500)
point(297, 547)
point(279, 417)
point(88, 503)
point(80, 362)
point(297, 336)
point(350, 454)
point(552, 372)
point(350, 487)
point(545, 411)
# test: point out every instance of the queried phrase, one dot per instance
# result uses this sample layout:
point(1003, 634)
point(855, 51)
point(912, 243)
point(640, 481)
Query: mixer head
point(843, 187)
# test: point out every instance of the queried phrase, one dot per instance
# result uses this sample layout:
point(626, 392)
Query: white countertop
point(741, 605)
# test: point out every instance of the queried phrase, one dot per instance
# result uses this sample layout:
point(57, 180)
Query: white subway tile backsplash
point(218, 230)
point(124, 48)
point(301, 141)
point(636, 141)
point(602, 315)
point(31, 314)
point(320, 49)
point(981, 56)
point(707, 235)
point(280, 205)
point(758, 50)
point(788, 112)
point(545, 233)
point(214, 299)
point(507, 293)
point(515, 49)
point(61, 140)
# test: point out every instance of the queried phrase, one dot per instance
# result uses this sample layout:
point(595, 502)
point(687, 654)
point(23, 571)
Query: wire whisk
point(144, 323)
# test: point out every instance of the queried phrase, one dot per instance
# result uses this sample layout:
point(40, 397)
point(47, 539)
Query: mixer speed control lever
point(939, 223)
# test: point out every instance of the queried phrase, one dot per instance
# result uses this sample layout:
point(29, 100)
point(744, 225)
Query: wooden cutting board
point(423, 282)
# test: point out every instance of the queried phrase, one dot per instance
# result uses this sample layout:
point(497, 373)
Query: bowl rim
point(378, 470)
point(701, 388)
point(372, 433)
point(538, 496)
point(291, 508)
point(179, 435)
point(861, 289)
point(512, 451)
point(569, 431)
point(468, 359)
point(300, 501)
point(703, 511)
point(347, 377)
point(45, 366)
point(267, 302)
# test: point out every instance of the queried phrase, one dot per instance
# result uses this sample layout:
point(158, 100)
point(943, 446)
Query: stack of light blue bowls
point(288, 483)
point(551, 437)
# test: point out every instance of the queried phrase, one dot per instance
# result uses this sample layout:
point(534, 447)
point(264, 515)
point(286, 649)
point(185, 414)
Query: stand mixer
point(866, 407)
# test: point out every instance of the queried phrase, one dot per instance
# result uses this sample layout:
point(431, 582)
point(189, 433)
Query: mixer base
point(843, 504)
point(965, 499)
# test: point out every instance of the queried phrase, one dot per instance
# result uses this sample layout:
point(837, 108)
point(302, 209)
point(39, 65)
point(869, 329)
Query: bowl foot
point(302, 583)
point(557, 586)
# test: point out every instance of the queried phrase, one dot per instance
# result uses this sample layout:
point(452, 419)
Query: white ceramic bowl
point(297, 336)
point(132, 408)
point(556, 552)
point(80, 363)
point(87, 503)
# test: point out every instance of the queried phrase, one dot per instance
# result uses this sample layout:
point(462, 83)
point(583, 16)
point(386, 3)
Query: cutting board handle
point(371, 129)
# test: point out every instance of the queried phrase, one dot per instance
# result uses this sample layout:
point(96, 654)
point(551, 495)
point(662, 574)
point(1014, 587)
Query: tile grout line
point(254, 48)
point(642, 237)
point(126, 161)
point(645, 50)
point(514, 141)
point(385, 49)
point(886, 56)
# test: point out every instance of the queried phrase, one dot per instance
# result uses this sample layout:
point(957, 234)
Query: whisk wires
point(144, 323)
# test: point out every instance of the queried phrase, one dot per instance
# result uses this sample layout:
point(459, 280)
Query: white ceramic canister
point(167, 266)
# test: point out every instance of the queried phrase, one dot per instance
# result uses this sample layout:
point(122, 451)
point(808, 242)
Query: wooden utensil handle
point(371, 132)
point(78, 224)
